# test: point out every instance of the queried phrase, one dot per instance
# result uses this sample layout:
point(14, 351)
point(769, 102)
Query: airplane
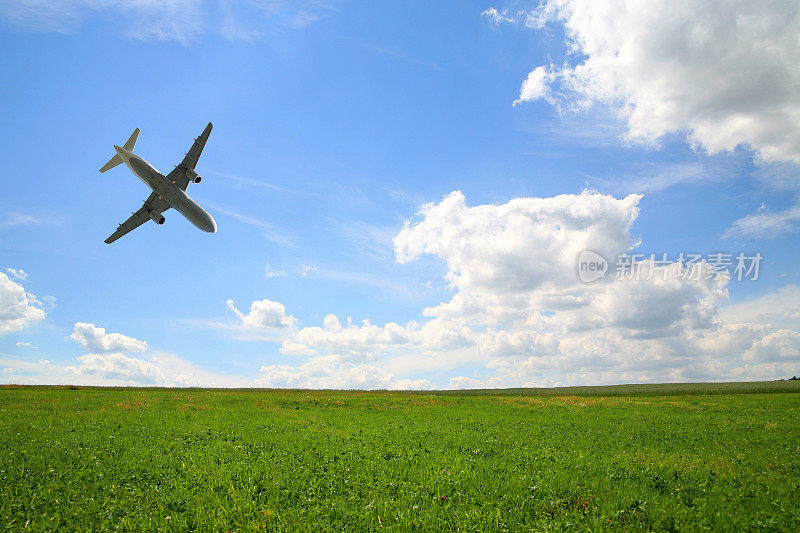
point(168, 191)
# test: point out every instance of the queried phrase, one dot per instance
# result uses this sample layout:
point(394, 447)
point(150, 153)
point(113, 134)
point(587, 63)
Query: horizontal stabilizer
point(114, 161)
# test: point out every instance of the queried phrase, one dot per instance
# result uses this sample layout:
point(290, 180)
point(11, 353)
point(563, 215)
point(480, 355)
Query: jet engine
point(194, 177)
point(157, 217)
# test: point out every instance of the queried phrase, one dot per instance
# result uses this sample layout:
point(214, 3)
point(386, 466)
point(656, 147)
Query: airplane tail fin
point(129, 144)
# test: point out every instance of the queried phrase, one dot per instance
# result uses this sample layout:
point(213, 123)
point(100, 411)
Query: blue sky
point(333, 125)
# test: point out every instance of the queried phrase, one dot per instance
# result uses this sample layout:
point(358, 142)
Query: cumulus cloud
point(367, 342)
point(515, 265)
point(264, 314)
point(351, 342)
point(525, 244)
point(97, 340)
point(18, 308)
point(724, 71)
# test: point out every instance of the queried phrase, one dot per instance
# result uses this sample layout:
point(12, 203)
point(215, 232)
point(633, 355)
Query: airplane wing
point(178, 175)
point(153, 203)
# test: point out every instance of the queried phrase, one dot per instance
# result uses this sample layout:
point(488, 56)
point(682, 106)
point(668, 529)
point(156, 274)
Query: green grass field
point(662, 457)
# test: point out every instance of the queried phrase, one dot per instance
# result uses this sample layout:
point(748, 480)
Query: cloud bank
point(520, 316)
point(725, 72)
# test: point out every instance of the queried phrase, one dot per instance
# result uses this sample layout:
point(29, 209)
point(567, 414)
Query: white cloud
point(765, 224)
point(107, 365)
point(18, 308)
point(23, 343)
point(723, 71)
point(536, 85)
point(652, 178)
point(16, 366)
point(269, 231)
point(19, 274)
point(119, 366)
point(16, 219)
point(118, 369)
point(308, 270)
point(264, 314)
point(372, 241)
point(497, 17)
point(174, 20)
point(270, 273)
point(528, 244)
point(363, 342)
point(97, 340)
point(328, 372)
point(514, 265)
point(254, 20)
point(780, 309)
point(530, 19)
point(781, 345)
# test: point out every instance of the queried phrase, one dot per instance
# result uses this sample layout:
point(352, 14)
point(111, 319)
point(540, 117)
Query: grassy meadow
point(663, 457)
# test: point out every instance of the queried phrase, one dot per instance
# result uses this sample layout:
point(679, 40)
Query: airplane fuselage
point(167, 190)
